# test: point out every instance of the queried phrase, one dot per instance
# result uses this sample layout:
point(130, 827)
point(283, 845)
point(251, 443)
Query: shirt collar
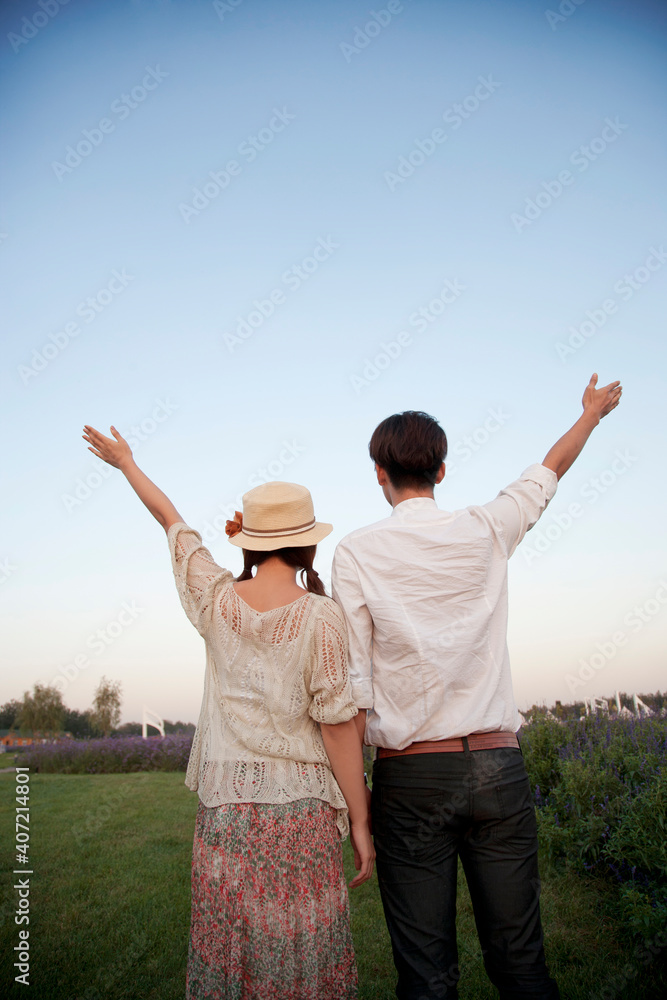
point(414, 503)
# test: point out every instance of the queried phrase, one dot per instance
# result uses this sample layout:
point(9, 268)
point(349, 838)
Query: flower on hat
point(233, 527)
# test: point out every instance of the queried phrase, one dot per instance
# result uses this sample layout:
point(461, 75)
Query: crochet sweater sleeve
point(329, 683)
point(197, 574)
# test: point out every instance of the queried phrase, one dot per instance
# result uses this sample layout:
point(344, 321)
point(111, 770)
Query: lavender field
point(110, 755)
point(600, 787)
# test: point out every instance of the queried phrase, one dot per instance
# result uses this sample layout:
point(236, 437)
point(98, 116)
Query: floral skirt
point(270, 911)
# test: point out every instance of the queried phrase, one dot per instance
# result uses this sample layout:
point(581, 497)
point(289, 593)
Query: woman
point(275, 746)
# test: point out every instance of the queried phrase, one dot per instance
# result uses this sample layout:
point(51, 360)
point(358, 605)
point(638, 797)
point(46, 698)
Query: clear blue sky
point(251, 230)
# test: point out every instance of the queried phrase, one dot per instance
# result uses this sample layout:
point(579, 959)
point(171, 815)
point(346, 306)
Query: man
point(425, 597)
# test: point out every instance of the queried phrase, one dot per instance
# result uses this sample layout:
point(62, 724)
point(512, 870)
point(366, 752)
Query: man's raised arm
point(597, 404)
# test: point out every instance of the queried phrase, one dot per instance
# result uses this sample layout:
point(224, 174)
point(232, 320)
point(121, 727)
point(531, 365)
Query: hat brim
point(269, 542)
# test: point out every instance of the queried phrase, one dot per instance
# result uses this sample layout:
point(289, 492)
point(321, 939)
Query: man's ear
point(441, 474)
point(383, 478)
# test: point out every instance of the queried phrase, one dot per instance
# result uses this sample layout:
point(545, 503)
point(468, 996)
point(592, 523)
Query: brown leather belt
point(476, 741)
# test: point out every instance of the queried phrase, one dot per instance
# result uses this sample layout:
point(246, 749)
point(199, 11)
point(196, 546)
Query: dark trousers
point(430, 809)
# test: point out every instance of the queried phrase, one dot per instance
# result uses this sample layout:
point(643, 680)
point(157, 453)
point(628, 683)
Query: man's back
point(425, 598)
point(426, 589)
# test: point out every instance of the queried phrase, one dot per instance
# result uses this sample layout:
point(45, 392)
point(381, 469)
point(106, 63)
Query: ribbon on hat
point(233, 527)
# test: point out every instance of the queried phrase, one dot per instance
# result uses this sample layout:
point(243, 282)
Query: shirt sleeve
point(347, 592)
point(521, 504)
point(329, 682)
point(197, 574)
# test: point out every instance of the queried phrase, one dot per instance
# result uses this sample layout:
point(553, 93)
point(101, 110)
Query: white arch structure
point(151, 719)
point(593, 705)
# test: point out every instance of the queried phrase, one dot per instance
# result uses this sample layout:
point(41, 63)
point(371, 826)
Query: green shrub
point(600, 786)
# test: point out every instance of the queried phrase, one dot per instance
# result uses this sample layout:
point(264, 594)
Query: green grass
point(110, 903)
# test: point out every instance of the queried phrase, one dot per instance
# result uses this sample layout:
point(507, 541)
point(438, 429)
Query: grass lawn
point(110, 904)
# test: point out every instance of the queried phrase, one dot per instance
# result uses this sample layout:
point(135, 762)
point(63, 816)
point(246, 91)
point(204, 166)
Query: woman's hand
point(343, 747)
point(117, 453)
point(364, 852)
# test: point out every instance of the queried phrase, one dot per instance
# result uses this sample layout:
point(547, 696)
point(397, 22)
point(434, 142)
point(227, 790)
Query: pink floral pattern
point(270, 910)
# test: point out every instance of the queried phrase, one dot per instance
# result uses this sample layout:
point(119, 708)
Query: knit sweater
point(271, 678)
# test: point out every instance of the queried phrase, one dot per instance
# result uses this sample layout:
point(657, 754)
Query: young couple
point(412, 659)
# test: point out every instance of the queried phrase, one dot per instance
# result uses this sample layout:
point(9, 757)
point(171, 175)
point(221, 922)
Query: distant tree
point(105, 713)
point(136, 728)
point(42, 711)
point(655, 702)
point(9, 712)
point(128, 729)
point(178, 727)
point(78, 724)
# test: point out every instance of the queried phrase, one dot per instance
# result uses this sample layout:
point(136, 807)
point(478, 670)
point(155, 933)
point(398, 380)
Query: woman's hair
point(300, 556)
point(410, 447)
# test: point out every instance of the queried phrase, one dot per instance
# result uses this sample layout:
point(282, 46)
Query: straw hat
point(276, 516)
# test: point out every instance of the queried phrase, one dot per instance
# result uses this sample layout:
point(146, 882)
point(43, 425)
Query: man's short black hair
point(410, 447)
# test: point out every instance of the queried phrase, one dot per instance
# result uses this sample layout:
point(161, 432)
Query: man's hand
point(597, 404)
point(368, 803)
point(601, 401)
point(117, 453)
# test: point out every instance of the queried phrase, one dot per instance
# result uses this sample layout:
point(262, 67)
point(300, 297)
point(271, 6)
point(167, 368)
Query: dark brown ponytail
point(301, 557)
point(313, 583)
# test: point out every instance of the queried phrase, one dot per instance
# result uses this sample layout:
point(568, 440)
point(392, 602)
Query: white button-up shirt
point(424, 593)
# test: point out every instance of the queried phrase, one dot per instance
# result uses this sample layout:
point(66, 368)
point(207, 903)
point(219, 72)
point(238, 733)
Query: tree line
point(43, 713)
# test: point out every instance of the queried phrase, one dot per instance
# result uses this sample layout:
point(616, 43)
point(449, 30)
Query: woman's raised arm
point(119, 454)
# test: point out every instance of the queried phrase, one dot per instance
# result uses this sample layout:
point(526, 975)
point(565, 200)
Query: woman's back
point(270, 915)
point(271, 676)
